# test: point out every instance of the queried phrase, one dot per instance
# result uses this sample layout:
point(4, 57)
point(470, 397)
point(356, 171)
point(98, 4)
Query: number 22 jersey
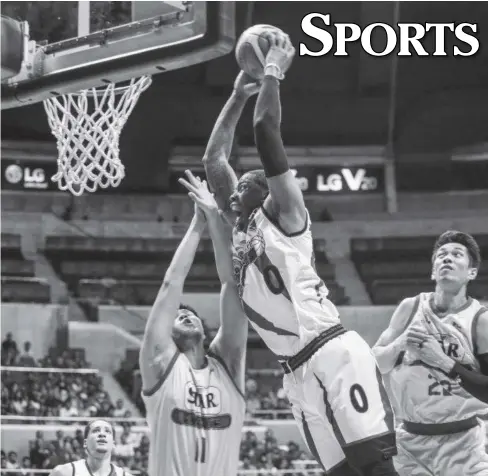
point(425, 394)
point(281, 293)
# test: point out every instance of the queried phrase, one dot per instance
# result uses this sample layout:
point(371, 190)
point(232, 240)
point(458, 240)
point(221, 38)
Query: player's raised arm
point(158, 347)
point(393, 340)
point(287, 203)
point(231, 339)
point(220, 175)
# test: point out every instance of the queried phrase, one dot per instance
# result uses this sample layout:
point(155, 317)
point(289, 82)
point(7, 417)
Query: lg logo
point(14, 174)
point(348, 180)
point(31, 178)
point(337, 180)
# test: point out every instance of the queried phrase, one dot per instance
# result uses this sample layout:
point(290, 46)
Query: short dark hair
point(87, 429)
point(258, 176)
point(189, 308)
point(465, 239)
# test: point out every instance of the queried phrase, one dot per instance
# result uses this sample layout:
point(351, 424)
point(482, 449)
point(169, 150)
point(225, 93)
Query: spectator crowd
point(132, 450)
point(265, 396)
point(70, 394)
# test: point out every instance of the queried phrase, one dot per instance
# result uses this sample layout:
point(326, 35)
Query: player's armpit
point(286, 204)
point(392, 341)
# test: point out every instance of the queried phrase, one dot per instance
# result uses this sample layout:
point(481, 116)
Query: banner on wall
point(341, 180)
point(28, 175)
point(328, 179)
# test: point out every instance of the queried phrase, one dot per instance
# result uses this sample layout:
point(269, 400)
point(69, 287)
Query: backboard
point(71, 46)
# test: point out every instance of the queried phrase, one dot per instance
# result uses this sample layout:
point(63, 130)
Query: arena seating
point(131, 453)
point(59, 392)
point(396, 267)
point(36, 393)
point(19, 283)
point(124, 270)
point(129, 271)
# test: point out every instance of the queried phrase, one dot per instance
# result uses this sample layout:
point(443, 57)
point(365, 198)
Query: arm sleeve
point(476, 383)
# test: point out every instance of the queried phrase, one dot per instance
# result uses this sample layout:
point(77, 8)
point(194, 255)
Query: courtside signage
point(28, 175)
point(334, 39)
point(340, 180)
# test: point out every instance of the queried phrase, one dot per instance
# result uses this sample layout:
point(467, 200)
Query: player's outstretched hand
point(281, 51)
point(199, 214)
point(246, 85)
point(199, 193)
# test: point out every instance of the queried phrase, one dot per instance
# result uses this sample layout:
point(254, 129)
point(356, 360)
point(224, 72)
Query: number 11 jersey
point(195, 417)
point(282, 295)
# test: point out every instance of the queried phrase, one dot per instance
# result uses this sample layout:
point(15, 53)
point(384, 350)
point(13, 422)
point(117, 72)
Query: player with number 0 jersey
point(331, 377)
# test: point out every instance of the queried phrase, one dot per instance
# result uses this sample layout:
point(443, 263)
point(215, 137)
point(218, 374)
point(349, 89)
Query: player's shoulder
point(408, 304)
point(405, 311)
point(63, 470)
point(482, 317)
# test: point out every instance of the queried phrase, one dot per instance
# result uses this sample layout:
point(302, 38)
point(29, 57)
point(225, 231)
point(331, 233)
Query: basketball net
point(87, 127)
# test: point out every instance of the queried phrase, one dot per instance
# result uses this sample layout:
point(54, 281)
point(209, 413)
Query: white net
point(87, 127)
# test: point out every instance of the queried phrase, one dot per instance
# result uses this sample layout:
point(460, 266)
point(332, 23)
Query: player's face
point(452, 265)
point(247, 196)
point(187, 326)
point(100, 440)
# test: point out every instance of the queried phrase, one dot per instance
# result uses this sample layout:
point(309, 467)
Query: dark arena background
point(389, 151)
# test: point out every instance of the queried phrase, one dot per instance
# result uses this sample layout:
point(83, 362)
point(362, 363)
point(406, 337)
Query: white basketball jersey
point(195, 417)
point(282, 295)
point(81, 469)
point(427, 395)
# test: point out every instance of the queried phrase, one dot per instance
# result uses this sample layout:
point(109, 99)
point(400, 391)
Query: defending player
point(99, 445)
point(435, 352)
point(194, 400)
point(331, 378)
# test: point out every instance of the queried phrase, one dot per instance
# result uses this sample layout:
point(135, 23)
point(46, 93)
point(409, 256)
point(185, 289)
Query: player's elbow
point(265, 121)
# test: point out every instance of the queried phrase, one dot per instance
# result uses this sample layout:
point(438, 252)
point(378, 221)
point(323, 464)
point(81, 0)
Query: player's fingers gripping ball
point(253, 47)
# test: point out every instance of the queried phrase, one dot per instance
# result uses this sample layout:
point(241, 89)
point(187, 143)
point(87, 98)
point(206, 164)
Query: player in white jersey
point(99, 445)
point(435, 354)
point(331, 377)
point(194, 399)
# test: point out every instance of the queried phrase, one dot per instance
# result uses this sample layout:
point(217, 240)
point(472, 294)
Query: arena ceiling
point(441, 103)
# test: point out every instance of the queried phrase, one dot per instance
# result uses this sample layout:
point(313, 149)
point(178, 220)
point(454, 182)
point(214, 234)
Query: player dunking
point(194, 400)
point(99, 445)
point(331, 378)
point(435, 352)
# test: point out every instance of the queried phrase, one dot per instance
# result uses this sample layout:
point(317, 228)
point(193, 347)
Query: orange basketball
point(252, 48)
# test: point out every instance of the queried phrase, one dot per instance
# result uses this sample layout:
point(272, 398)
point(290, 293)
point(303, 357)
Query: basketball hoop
point(87, 127)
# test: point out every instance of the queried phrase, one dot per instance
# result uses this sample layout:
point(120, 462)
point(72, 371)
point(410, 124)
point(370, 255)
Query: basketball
point(252, 48)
